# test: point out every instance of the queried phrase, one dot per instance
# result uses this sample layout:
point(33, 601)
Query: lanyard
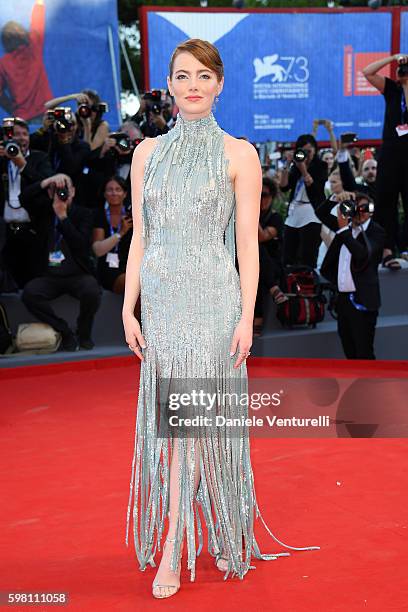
point(57, 235)
point(13, 173)
point(111, 230)
point(358, 306)
point(298, 187)
point(403, 106)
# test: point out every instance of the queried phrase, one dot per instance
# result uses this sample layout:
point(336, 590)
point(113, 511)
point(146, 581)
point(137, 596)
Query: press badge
point(56, 258)
point(113, 260)
point(402, 130)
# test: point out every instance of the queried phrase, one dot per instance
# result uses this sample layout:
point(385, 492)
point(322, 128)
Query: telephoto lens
point(300, 155)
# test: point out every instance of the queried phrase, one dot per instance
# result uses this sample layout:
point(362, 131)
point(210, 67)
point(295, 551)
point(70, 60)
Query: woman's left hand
point(241, 340)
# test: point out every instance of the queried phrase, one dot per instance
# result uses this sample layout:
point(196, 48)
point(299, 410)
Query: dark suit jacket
point(38, 167)
point(76, 229)
point(349, 182)
point(364, 264)
point(315, 192)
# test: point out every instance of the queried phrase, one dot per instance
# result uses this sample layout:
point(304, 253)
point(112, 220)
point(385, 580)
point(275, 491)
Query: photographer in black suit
point(67, 264)
point(351, 263)
point(20, 167)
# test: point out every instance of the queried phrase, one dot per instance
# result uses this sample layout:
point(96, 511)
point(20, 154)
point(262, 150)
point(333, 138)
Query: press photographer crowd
point(329, 217)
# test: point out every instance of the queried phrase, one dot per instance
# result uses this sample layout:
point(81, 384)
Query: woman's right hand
point(133, 335)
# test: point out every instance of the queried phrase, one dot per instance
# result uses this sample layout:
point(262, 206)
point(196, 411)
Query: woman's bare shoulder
point(144, 149)
point(238, 148)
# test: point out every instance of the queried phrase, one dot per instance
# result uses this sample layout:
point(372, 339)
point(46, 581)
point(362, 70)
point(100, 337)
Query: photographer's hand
point(19, 161)
point(345, 195)
point(60, 208)
point(109, 144)
point(59, 180)
point(126, 225)
point(158, 120)
point(341, 219)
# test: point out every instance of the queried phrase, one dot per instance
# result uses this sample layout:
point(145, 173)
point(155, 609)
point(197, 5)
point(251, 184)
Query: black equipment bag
point(305, 304)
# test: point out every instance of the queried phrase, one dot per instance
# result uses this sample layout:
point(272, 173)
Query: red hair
point(203, 51)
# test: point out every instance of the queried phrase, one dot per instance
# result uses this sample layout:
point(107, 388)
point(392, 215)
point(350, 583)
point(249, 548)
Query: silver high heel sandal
point(174, 587)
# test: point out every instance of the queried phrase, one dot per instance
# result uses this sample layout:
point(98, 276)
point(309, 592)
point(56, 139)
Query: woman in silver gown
point(193, 190)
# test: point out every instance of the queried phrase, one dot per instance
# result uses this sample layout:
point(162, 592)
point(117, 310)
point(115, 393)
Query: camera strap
point(111, 230)
point(369, 253)
point(404, 117)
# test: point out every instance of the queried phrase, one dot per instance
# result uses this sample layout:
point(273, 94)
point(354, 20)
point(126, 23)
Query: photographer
point(20, 167)
point(305, 179)
point(392, 174)
point(93, 129)
point(67, 266)
point(116, 154)
point(155, 115)
point(351, 263)
point(112, 236)
point(59, 138)
point(270, 260)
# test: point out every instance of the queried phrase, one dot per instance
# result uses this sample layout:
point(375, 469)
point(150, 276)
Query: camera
point(153, 101)
point(85, 110)
point(300, 155)
point(62, 192)
point(402, 70)
point(124, 142)
point(10, 145)
point(351, 208)
point(348, 138)
point(62, 117)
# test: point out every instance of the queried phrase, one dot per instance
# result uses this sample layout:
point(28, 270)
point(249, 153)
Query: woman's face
point(194, 86)
point(114, 194)
point(336, 186)
point(310, 152)
point(328, 157)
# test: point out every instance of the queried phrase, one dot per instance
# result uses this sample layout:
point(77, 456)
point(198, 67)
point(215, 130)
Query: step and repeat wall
point(282, 70)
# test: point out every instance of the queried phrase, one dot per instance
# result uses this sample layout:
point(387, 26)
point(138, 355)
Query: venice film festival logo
point(285, 76)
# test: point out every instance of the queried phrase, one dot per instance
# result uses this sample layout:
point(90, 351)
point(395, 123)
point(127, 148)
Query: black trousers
point(356, 329)
point(392, 180)
point(270, 274)
point(40, 291)
point(22, 253)
point(301, 245)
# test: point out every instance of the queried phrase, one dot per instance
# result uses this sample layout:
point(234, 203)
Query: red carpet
point(67, 442)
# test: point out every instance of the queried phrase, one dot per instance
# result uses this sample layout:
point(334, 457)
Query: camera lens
point(12, 149)
point(300, 155)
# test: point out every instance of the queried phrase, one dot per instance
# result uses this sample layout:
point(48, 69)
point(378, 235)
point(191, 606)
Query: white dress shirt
point(300, 211)
point(13, 211)
point(345, 280)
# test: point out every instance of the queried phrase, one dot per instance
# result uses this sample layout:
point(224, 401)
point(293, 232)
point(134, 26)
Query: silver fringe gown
point(190, 305)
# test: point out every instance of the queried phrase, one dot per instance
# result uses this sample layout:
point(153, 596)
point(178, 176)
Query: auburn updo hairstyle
point(204, 51)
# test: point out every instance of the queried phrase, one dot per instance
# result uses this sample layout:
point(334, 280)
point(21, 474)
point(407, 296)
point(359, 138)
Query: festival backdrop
point(50, 48)
point(282, 70)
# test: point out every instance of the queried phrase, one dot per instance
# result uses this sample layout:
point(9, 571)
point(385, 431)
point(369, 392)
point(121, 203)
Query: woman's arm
point(58, 101)
point(136, 251)
point(248, 187)
point(100, 136)
point(370, 71)
point(102, 245)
